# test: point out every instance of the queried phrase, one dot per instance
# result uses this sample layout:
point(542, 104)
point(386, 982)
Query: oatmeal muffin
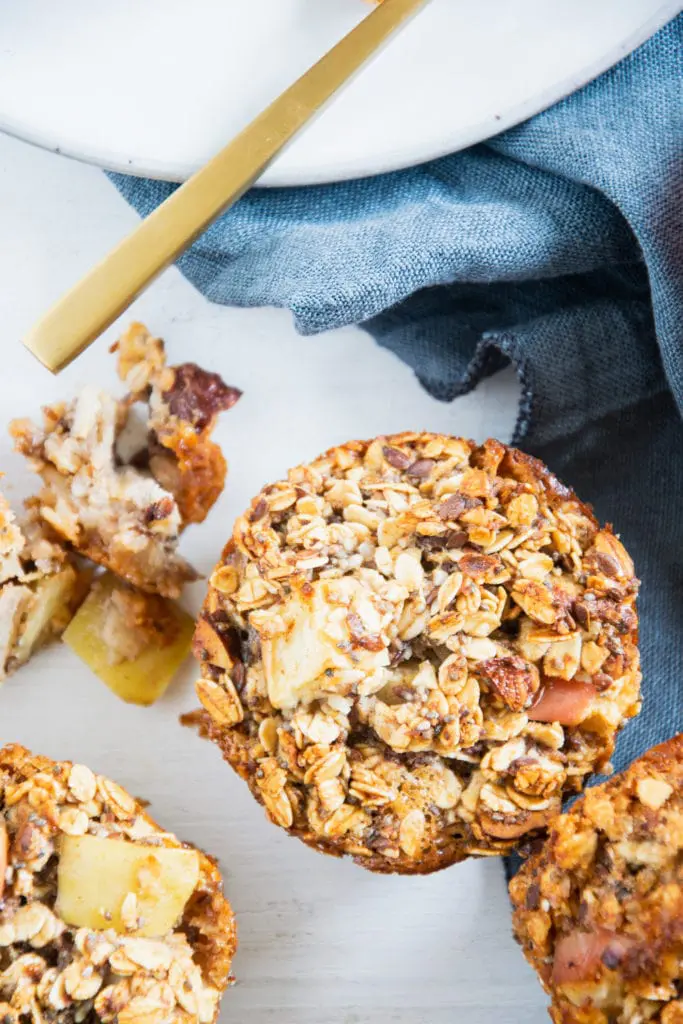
point(120, 489)
point(414, 647)
point(40, 588)
point(599, 910)
point(103, 915)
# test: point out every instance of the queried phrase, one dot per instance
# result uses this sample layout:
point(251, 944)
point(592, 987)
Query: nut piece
point(413, 648)
point(594, 909)
point(513, 679)
point(97, 876)
point(103, 914)
point(215, 643)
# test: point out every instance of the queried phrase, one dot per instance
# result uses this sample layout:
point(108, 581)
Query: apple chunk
point(134, 642)
point(96, 874)
point(52, 601)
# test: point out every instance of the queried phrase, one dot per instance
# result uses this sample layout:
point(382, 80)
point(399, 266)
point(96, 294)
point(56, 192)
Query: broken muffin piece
point(599, 909)
point(184, 404)
point(40, 588)
point(414, 647)
point(103, 915)
point(115, 514)
point(135, 642)
point(120, 489)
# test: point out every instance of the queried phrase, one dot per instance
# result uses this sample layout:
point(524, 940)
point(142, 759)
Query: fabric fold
point(556, 246)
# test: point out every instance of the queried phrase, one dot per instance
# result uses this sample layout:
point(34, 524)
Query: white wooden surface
point(321, 941)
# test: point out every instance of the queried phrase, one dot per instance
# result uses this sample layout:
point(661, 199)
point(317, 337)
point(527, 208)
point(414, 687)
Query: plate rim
point(291, 175)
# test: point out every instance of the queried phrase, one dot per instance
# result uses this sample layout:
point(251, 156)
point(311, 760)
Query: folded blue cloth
point(557, 246)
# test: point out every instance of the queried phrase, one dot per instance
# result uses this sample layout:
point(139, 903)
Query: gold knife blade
point(85, 311)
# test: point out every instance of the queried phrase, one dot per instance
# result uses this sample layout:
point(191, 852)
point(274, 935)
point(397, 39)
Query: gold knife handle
point(81, 315)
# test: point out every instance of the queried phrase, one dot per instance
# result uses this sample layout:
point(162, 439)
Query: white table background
point(321, 941)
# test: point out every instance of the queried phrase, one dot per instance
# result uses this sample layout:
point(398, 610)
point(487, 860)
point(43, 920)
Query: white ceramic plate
point(156, 87)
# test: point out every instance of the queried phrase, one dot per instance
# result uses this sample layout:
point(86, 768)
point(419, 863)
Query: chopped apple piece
point(306, 641)
point(134, 642)
point(96, 875)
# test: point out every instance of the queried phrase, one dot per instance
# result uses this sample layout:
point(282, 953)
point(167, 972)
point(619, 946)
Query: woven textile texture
point(557, 246)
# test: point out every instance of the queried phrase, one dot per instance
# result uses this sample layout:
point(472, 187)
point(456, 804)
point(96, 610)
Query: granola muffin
point(119, 489)
point(599, 910)
point(414, 647)
point(103, 915)
point(40, 588)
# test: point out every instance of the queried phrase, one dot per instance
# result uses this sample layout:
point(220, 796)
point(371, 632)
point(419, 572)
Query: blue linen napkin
point(557, 246)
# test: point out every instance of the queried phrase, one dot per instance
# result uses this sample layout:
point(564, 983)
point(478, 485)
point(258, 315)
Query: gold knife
point(81, 315)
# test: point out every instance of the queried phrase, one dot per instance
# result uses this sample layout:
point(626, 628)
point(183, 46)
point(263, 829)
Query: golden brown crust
point(599, 909)
point(41, 800)
point(413, 646)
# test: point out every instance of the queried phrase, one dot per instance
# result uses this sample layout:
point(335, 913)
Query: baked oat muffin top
point(599, 910)
point(414, 646)
point(103, 915)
